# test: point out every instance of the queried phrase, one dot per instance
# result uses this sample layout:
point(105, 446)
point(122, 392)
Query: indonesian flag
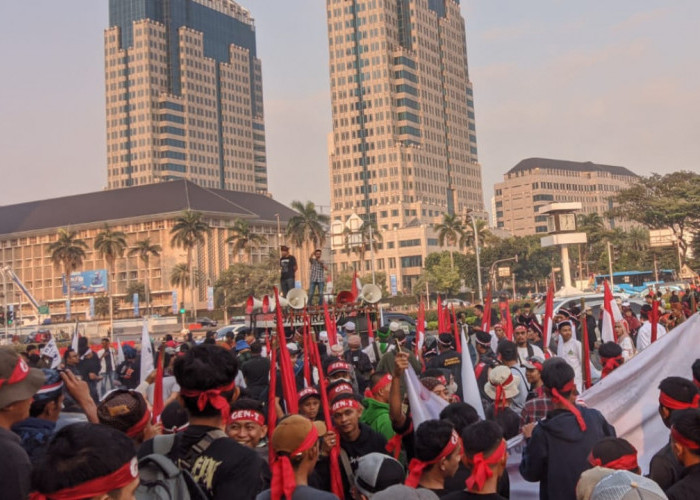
point(356, 286)
point(486, 320)
point(470, 389)
point(420, 328)
point(611, 315)
point(425, 405)
point(548, 321)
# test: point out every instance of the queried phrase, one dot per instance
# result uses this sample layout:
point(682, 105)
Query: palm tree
point(308, 227)
point(189, 230)
point(110, 245)
point(467, 238)
point(67, 252)
point(243, 238)
point(451, 232)
point(145, 249)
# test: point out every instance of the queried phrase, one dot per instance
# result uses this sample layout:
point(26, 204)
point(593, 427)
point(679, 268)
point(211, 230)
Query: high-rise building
point(403, 148)
point(535, 182)
point(183, 91)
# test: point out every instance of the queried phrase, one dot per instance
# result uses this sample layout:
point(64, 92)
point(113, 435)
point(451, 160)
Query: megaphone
point(252, 305)
point(370, 293)
point(269, 305)
point(297, 298)
point(344, 297)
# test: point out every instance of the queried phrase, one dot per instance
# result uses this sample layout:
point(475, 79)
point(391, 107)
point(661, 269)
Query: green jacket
point(376, 415)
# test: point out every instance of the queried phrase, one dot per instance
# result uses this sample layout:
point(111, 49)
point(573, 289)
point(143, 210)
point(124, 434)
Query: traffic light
point(10, 317)
point(182, 308)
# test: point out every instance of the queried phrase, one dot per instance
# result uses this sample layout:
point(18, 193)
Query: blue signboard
point(394, 287)
point(175, 308)
point(87, 282)
point(136, 304)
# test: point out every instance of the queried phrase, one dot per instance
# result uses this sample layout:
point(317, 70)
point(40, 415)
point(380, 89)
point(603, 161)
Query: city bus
point(635, 281)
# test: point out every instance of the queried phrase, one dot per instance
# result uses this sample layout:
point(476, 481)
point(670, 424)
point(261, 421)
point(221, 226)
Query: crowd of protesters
point(297, 415)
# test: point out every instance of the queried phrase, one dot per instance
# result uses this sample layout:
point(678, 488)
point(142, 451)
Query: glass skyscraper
point(183, 91)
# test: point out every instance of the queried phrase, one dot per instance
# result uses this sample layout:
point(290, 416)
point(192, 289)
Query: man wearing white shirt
point(525, 349)
point(497, 334)
point(644, 332)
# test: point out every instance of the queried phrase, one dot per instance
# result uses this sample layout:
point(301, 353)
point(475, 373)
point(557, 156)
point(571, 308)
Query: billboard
point(87, 282)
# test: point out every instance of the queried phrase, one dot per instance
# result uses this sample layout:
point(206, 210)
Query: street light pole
point(371, 251)
point(492, 276)
point(478, 258)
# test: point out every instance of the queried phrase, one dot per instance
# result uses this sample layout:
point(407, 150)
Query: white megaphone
point(297, 298)
point(370, 293)
point(269, 305)
point(252, 305)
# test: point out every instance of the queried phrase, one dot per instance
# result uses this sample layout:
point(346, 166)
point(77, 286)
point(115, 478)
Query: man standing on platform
point(288, 268)
point(317, 276)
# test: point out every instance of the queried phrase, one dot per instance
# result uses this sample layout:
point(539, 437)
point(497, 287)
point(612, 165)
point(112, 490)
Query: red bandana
point(247, 415)
point(481, 469)
point(501, 401)
point(346, 403)
point(557, 397)
point(416, 467)
point(393, 446)
point(139, 426)
point(684, 441)
point(609, 364)
point(95, 487)
point(18, 374)
point(674, 404)
point(625, 462)
point(211, 396)
point(283, 482)
point(383, 382)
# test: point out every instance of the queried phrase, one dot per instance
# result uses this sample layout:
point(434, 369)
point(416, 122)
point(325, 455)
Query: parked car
point(204, 321)
point(221, 332)
point(455, 302)
point(593, 300)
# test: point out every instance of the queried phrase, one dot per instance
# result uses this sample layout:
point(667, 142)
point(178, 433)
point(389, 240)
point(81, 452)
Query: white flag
point(470, 389)
point(611, 315)
point(147, 363)
point(50, 350)
point(424, 404)
point(120, 352)
point(74, 340)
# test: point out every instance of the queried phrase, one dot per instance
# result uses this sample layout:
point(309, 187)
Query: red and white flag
point(420, 327)
point(425, 405)
point(611, 315)
point(356, 286)
point(548, 320)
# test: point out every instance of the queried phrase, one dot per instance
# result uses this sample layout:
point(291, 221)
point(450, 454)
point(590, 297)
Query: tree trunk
point(148, 288)
point(191, 269)
point(111, 304)
point(67, 270)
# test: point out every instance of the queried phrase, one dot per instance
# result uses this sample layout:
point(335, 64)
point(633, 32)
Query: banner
point(50, 350)
point(136, 304)
point(176, 309)
point(86, 282)
point(210, 298)
point(92, 307)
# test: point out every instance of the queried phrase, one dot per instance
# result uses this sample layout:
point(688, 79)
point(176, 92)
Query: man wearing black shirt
point(225, 469)
point(449, 359)
point(256, 372)
point(288, 268)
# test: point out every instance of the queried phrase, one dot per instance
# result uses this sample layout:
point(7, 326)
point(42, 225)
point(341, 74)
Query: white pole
point(566, 272)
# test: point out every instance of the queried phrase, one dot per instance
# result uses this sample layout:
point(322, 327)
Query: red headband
point(501, 401)
point(19, 373)
point(537, 365)
point(682, 440)
point(98, 486)
point(625, 462)
point(609, 364)
point(393, 446)
point(248, 415)
point(481, 469)
point(211, 396)
point(696, 382)
point(557, 397)
point(381, 384)
point(340, 366)
point(283, 482)
point(139, 426)
point(674, 404)
point(416, 467)
point(346, 403)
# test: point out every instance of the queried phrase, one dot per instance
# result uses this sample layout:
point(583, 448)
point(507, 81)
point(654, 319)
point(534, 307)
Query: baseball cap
point(403, 492)
point(291, 431)
point(293, 348)
point(17, 380)
point(533, 363)
point(394, 326)
point(349, 326)
point(377, 472)
point(338, 367)
point(52, 388)
point(242, 345)
point(308, 392)
point(625, 485)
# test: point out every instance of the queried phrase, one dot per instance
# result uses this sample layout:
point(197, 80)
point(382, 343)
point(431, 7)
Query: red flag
point(370, 331)
point(455, 332)
point(289, 386)
point(486, 320)
point(505, 319)
point(420, 328)
point(355, 289)
point(271, 394)
point(548, 318)
point(330, 326)
point(307, 341)
point(441, 318)
point(448, 320)
point(158, 388)
point(654, 319)
point(586, 355)
point(336, 478)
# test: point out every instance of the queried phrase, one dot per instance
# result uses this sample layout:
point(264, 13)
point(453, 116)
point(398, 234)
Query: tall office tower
point(184, 95)
point(403, 148)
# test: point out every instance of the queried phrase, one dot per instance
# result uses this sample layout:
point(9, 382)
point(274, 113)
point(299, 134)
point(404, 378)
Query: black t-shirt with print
point(225, 470)
point(287, 266)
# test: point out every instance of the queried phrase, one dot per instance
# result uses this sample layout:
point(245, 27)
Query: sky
point(613, 82)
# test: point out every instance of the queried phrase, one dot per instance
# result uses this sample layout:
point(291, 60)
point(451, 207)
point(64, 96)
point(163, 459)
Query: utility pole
point(371, 251)
point(610, 264)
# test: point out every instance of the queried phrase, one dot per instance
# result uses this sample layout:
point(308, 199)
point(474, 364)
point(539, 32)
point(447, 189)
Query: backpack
point(162, 479)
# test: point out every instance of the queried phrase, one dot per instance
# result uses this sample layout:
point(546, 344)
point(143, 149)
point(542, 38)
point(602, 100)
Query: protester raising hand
point(80, 392)
point(400, 364)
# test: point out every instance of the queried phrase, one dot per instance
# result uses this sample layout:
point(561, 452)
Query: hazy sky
point(614, 82)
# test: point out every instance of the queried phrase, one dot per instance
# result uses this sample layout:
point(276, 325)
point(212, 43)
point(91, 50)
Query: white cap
point(349, 326)
point(292, 347)
point(323, 335)
point(394, 326)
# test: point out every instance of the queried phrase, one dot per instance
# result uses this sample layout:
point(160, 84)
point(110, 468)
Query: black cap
point(445, 339)
point(376, 472)
point(610, 350)
point(483, 338)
